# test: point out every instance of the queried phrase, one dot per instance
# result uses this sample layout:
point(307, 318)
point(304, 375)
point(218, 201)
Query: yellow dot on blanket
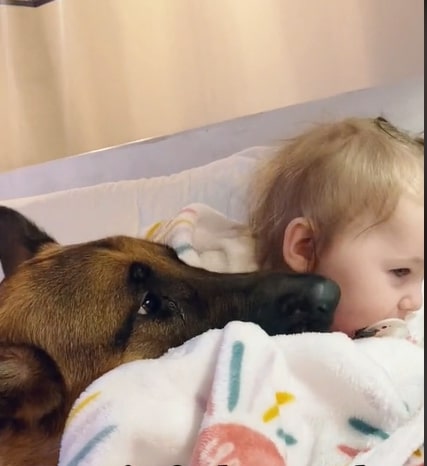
point(271, 413)
point(86, 401)
point(281, 399)
point(284, 397)
point(418, 452)
point(152, 230)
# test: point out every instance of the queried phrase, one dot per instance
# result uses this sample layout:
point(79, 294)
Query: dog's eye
point(150, 304)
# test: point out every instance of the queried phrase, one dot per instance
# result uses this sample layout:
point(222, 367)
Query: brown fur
point(68, 314)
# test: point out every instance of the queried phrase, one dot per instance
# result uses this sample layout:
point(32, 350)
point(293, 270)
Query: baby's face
point(380, 270)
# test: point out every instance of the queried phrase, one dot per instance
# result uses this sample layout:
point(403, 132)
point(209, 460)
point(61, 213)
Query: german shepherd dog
point(68, 314)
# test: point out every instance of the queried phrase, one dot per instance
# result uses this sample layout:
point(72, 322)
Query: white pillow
point(127, 207)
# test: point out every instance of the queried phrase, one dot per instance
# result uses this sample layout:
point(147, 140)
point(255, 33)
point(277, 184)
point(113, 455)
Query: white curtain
point(80, 75)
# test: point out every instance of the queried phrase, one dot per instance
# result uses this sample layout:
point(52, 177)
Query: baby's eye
point(401, 272)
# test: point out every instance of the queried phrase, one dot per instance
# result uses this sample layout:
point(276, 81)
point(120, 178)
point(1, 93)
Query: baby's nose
point(410, 303)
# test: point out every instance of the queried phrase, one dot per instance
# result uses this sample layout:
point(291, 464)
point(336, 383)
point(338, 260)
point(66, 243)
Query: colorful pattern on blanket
point(237, 397)
point(417, 458)
point(203, 237)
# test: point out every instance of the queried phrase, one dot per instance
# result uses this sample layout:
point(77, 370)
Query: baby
point(346, 200)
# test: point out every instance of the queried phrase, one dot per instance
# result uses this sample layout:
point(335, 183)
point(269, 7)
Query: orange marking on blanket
point(188, 209)
point(349, 451)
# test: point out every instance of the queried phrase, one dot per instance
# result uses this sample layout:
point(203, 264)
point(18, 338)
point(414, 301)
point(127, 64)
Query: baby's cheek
point(352, 314)
point(343, 321)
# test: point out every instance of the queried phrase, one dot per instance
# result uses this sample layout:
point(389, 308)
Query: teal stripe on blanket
point(183, 248)
point(366, 429)
point(91, 444)
point(235, 372)
point(288, 438)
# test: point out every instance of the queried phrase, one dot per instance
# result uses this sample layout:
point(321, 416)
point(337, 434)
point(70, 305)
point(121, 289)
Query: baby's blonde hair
point(333, 174)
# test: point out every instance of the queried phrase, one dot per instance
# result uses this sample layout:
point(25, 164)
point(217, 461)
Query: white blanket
point(238, 397)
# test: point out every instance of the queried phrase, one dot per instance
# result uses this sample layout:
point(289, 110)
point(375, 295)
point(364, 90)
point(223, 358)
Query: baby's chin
point(343, 326)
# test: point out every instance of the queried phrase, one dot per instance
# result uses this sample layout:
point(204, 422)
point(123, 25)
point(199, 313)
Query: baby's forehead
point(403, 231)
point(407, 218)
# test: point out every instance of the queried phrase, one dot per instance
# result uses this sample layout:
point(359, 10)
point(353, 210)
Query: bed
point(163, 174)
point(122, 190)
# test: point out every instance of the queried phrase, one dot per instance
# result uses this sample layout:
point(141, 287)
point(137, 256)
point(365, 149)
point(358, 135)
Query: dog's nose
point(139, 272)
point(325, 295)
point(294, 303)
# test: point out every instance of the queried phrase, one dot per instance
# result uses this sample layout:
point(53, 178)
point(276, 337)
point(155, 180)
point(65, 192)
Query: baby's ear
point(20, 239)
point(31, 388)
point(298, 245)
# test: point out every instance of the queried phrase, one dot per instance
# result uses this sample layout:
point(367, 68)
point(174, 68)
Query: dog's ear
point(20, 239)
point(31, 388)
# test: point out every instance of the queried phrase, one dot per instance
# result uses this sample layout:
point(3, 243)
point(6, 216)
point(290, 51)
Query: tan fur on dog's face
point(68, 314)
point(80, 300)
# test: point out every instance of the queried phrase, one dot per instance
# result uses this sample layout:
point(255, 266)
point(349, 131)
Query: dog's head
point(70, 313)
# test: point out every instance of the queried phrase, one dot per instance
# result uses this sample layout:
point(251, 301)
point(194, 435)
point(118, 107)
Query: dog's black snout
point(139, 272)
point(325, 295)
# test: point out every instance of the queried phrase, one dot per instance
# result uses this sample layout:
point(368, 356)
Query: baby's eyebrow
point(417, 261)
point(412, 260)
